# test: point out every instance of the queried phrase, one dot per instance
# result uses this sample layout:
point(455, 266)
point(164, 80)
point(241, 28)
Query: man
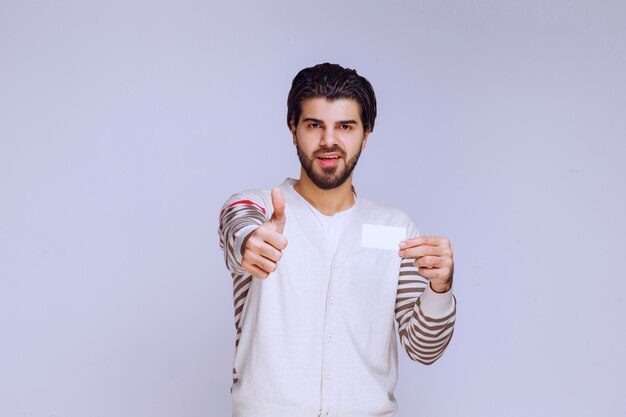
point(320, 274)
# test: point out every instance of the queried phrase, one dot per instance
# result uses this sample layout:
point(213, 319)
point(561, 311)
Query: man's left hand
point(433, 257)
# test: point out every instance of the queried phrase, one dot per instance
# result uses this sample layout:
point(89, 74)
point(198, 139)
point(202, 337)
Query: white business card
point(382, 237)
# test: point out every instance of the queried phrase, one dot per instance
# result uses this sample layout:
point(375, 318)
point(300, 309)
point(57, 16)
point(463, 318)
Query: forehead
point(338, 109)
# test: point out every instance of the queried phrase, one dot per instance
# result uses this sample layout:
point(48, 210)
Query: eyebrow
point(339, 122)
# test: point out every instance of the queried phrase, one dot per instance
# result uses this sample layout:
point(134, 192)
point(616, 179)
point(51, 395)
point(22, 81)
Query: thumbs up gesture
point(263, 249)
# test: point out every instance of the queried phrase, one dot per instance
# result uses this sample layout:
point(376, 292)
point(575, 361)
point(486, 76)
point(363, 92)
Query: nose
point(328, 138)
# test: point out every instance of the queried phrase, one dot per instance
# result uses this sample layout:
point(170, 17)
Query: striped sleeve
point(241, 214)
point(425, 318)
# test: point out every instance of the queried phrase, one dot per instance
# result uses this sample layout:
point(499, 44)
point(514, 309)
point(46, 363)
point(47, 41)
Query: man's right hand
point(263, 248)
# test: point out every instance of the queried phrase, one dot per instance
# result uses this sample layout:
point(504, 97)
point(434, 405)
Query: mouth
point(329, 159)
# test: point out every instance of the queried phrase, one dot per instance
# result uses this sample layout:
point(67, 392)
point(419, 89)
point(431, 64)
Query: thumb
point(278, 217)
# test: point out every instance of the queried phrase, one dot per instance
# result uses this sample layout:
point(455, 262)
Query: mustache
point(329, 150)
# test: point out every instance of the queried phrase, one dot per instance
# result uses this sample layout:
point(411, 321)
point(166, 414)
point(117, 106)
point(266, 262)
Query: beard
point(330, 177)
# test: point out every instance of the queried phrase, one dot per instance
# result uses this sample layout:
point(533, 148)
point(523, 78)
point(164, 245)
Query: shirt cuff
point(436, 305)
point(240, 235)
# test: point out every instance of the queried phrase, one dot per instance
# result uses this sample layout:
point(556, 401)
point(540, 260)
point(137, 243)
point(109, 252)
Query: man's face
point(329, 139)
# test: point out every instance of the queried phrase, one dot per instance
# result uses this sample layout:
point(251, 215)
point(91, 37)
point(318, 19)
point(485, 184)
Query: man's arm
point(240, 215)
point(425, 318)
point(251, 242)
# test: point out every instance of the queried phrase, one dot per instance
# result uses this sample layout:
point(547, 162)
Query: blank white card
point(382, 237)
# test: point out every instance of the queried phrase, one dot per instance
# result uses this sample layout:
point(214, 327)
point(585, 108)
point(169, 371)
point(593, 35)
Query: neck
point(327, 202)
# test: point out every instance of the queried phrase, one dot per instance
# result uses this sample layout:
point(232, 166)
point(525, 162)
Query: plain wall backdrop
point(124, 126)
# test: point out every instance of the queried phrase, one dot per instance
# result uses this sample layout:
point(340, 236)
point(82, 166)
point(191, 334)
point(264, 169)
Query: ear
point(365, 136)
point(292, 128)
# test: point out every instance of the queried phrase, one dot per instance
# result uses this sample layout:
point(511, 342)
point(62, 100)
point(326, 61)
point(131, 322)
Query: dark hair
point(331, 81)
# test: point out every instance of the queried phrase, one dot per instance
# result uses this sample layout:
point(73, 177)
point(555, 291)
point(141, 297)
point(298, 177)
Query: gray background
point(124, 125)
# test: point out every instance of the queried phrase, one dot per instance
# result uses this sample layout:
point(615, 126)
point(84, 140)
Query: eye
point(314, 125)
point(345, 127)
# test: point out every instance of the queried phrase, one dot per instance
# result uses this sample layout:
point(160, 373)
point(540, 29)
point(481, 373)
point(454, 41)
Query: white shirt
point(333, 226)
point(317, 336)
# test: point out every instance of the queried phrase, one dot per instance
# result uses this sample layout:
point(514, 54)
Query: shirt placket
point(330, 373)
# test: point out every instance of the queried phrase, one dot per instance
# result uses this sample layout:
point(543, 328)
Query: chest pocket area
point(373, 276)
point(371, 282)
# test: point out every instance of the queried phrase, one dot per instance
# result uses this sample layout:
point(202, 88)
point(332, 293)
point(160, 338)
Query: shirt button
point(328, 374)
point(331, 300)
point(334, 266)
point(330, 337)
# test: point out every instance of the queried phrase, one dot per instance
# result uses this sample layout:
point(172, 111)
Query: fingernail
point(401, 253)
point(402, 244)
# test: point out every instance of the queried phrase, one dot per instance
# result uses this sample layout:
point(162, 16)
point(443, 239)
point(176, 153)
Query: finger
point(258, 272)
point(425, 240)
point(272, 237)
point(428, 262)
point(434, 274)
point(270, 252)
point(263, 263)
point(422, 250)
point(429, 273)
point(278, 217)
point(254, 270)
